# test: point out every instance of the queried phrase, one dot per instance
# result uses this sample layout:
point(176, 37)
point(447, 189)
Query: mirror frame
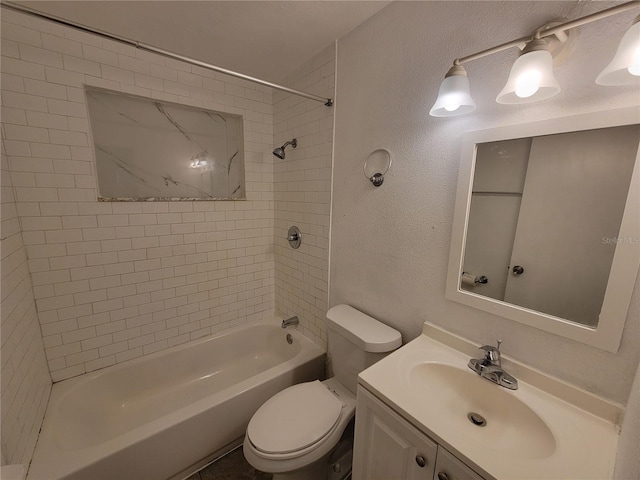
point(626, 261)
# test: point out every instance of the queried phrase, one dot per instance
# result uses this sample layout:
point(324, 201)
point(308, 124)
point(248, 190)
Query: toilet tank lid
point(364, 331)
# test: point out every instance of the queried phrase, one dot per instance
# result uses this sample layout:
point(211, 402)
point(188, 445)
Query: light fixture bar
point(551, 31)
point(165, 53)
point(492, 50)
point(578, 22)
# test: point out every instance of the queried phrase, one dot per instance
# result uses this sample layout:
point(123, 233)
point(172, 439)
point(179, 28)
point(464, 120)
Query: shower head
point(279, 151)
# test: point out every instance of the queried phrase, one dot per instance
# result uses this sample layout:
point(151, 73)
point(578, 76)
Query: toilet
point(306, 431)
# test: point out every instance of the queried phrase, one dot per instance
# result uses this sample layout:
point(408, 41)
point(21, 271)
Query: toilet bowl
point(298, 426)
point(294, 433)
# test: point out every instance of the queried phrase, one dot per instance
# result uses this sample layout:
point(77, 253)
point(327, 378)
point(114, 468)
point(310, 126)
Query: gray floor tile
point(232, 467)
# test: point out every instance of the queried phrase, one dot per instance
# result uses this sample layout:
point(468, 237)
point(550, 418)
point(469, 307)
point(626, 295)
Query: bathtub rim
point(92, 454)
point(269, 321)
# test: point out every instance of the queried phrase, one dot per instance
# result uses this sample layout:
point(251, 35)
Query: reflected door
point(495, 204)
point(572, 204)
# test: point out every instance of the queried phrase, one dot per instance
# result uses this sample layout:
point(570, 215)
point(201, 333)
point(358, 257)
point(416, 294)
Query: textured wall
point(302, 183)
point(25, 378)
point(390, 245)
point(114, 281)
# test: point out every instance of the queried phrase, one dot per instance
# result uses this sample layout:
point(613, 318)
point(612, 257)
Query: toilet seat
point(305, 457)
point(294, 420)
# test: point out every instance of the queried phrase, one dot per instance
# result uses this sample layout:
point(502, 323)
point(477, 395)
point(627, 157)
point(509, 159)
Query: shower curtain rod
point(149, 48)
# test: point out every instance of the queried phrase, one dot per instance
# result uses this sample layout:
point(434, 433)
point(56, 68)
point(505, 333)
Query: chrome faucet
point(490, 367)
point(290, 321)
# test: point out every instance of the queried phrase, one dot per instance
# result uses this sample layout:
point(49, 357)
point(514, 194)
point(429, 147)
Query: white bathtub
point(165, 415)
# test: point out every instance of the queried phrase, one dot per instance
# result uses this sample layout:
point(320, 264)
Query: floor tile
point(232, 467)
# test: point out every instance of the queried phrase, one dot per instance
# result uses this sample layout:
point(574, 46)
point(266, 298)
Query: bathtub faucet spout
point(290, 321)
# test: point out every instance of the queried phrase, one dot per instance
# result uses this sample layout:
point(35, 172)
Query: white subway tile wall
point(303, 194)
point(25, 379)
point(115, 281)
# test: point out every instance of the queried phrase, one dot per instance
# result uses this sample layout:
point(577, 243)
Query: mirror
point(546, 224)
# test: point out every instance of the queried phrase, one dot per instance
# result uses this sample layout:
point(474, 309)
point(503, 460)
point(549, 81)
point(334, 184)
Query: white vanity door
point(388, 447)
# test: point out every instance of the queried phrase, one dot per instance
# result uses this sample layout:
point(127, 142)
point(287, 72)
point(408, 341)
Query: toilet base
point(324, 470)
point(341, 461)
point(334, 466)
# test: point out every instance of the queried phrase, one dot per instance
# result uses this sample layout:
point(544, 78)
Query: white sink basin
point(511, 426)
point(544, 429)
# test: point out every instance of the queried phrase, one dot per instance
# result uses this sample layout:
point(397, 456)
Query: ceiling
point(264, 39)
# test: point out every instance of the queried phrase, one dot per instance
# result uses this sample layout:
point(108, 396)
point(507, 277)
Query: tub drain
point(477, 419)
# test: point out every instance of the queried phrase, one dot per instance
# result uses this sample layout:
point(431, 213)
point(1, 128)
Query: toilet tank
point(355, 342)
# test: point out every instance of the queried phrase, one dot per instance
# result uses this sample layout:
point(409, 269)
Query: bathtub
point(165, 415)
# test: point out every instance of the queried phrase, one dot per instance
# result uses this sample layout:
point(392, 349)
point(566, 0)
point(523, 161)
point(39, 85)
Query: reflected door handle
point(518, 270)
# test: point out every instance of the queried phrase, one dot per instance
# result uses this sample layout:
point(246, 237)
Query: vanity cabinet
point(448, 467)
point(387, 447)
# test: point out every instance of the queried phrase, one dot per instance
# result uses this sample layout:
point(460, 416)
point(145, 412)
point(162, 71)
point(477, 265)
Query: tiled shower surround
point(25, 377)
point(303, 194)
point(117, 280)
point(114, 281)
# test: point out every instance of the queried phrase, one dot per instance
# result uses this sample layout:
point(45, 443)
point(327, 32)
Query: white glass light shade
point(454, 97)
point(624, 69)
point(531, 79)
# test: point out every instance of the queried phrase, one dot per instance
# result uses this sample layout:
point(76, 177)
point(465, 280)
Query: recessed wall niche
point(147, 150)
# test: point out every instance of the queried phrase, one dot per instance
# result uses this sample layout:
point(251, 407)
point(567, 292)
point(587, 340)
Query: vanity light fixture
point(624, 69)
point(531, 78)
point(454, 97)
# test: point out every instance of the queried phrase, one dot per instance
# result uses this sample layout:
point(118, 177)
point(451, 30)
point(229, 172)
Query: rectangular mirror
point(546, 229)
point(148, 149)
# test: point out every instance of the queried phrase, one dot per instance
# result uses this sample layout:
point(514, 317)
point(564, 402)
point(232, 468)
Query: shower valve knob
point(294, 237)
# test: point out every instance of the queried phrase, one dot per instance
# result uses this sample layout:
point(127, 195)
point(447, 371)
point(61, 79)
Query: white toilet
point(301, 432)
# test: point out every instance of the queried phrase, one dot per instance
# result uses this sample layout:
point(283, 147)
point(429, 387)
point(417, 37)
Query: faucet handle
point(492, 354)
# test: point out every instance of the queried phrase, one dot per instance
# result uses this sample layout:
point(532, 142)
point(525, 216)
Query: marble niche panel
point(147, 149)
